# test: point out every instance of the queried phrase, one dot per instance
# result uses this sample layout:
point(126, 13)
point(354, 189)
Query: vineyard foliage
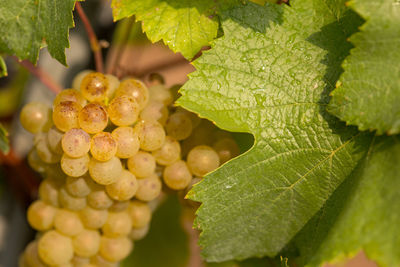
point(316, 82)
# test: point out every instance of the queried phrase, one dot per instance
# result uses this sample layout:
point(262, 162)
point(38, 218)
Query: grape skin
point(67, 222)
point(202, 160)
point(54, 137)
point(115, 249)
point(123, 111)
point(140, 213)
point(75, 167)
point(98, 199)
point(124, 188)
point(34, 117)
point(105, 172)
point(139, 233)
point(118, 224)
point(93, 218)
point(78, 186)
point(75, 143)
point(55, 248)
point(87, 243)
point(93, 118)
point(226, 149)
point(135, 89)
point(70, 95)
point(142, 164)
point(151, 135)
point(179, 126)
point(94, 87)
point(149, 188)
point(48, 192)
point(69, 202)
point(127, 142)
point(103, 146)
point(41, 215)
point(177, 175)
point(168, 153)
point(43, 149)
point(65, 115)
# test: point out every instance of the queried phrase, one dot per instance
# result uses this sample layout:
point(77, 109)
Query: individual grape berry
point(76, 143)
point(69, 202)
point(54, 137)
point(94, 87)
point(78, 186)
point(139, 233)
point(177, 175)
point(31, 256)
point(76, 82)
point(202, 160)
point(149, 188)
point(151, 135)
point(35, 162)
point(98, 260)
point(35, 117)
point(127, 142)
point(67, 222)
point(226, 149)
point(196, 120)
point(201, 136)
point(140, 214)
point(169, 152)
point(98, 199)
point(142, 164)
point(48, 192)
point(103, 146)
point(179, 126)
point(123, 110)
point(43, 149)
point(160, 93)
point(118, 224)
point(93, 218)
point(65, 115)
point(124, 188)
point(156, 111)
point(55, 249)
point(118, 206)
point(86, 243)
point(93, 118)
point(70, 95)
point(115, 249)
point(75, 167)
point(78, 261)
point(105, 172)
point(135, 89)
point(113, 84)
point(41, 215)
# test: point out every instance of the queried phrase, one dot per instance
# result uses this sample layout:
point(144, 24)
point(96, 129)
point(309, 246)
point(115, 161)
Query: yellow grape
point(98, 261)
point(118, 224)
point(54, 137)
point(35, 162)
point(139, 233)
point(177, 175)
point(105, 172)
point(160, 93)
point(41, 215)
point(142, 164)
point(113, 84)
point(169, 152)
point(156, 111)
point(202, 160)
point(31, 256)
point(179, 126)
point(48, 192)
point(127, 142)
point(115, 249)
point(136, 89)
point(140, 214)
point(149, 188)
point(67, 222)
point(75, 167)
point(196, 120)
point(69, 202)
point(65, 115)
point(93, 118)
point(78, 186)
point(55, 248)
point(86, 243)
point(103, 146)
point(43, 149)
point(118, 206)
point(226, 149)
point(93, 218)
point(124, 188)
point(98, 199)
point(75, 143)
point(151, 135)
point(76, 82)
point(70, 95)
point(123, 110)
point(35, 117)
point(94, 87)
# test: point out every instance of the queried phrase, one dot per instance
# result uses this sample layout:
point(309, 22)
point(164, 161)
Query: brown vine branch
point(94, 43)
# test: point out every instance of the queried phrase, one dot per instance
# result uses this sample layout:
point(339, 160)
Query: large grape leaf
point(270, 75)
point(184, 25)
point(368, 92)
point(27, 25)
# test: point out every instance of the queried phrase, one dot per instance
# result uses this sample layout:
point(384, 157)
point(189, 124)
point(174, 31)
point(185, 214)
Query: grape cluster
point(106, 149)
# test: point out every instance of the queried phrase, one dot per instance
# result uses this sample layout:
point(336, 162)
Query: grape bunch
point(106, 149)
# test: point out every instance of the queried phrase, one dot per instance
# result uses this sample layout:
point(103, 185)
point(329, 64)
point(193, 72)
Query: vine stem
point(41, 75)
point(94, 43)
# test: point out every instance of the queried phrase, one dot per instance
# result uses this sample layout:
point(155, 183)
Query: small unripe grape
point(156, 111)
point(103, 146)
point(98, 199)
point(139, 233)
point(48, 192)
point(69, 202)
point(31, 256)
point(140, 214)
point(123, 110)
point(86, 243)
point(35, 162)
point(169, 152)
point(226, 149)
point(41, 215)
point(55, 248)
point(94, 87)
point(67, 222)
point(202, 160)
point(65, 115)
point(151, 135)
point(136, 89)
point(54, 137)
point(75, 143)
point(93, 218)
point(43, 149)
point(113, 84)
point(124, 188)
point(118, 206)
point(118, 224)
point(177, 175)
point(35, 117)
point(127, 142)
point(78, 186)
point(75, 167)
point(161, 94)
point(69, 95)
point(105, 172)
point(115, 249)
point(149, 188)
point(76, 82)
point(93, 118)
point(142, 164)
point(179, 126)
point(201, 136)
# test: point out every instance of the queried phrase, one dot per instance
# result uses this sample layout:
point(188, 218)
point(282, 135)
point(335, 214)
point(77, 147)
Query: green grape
point(113, 84)
point(67, 222)
point(149, 188)
point(86, 243)
point(69, 202)
point(123, 110)
point(115, 249)
point(118, 224)
point(169, 152)
point(179, 126)
point(226, 149)
point(75, 167)
point(41, 215)
point(139, 233)
point(202, 160)
point(160, 93)
point(65, 115)
point(70, 95)
point(94, 87)
point(140, 213)
point(54, 137)
point(127, 142)
point(199, 137)
point(35, 117)
point(93, 218)
point(43, 149)
point(55, 248)
point(136, 89)
point(177, 175)
point(76, 82)
point(48, 192)
point(99, 261)
point(75, 143)
point(78, 186)
point(142, 164)
point(31, 256)
point(156, 111)
point(93, 118)
point(98, 199)
point(35, 162)
point(103, 146)
point(105, 172)
point(118, 206)
point(124, 188)
point(193, 117)
point(151, 135)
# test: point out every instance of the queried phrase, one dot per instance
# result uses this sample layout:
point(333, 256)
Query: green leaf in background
point(184, 25)
point(3, 67)
point(368, 92)
point(362, 215)
point(4, 143)
point(270, 75)
point(25, 25)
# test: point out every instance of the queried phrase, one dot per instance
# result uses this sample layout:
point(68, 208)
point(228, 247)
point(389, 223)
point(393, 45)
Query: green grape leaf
point(362, 214)
point(270, 75)
point(368, 92)
point(3, 67)
point(27, 25)
point(184, 25)
point(4, 143)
